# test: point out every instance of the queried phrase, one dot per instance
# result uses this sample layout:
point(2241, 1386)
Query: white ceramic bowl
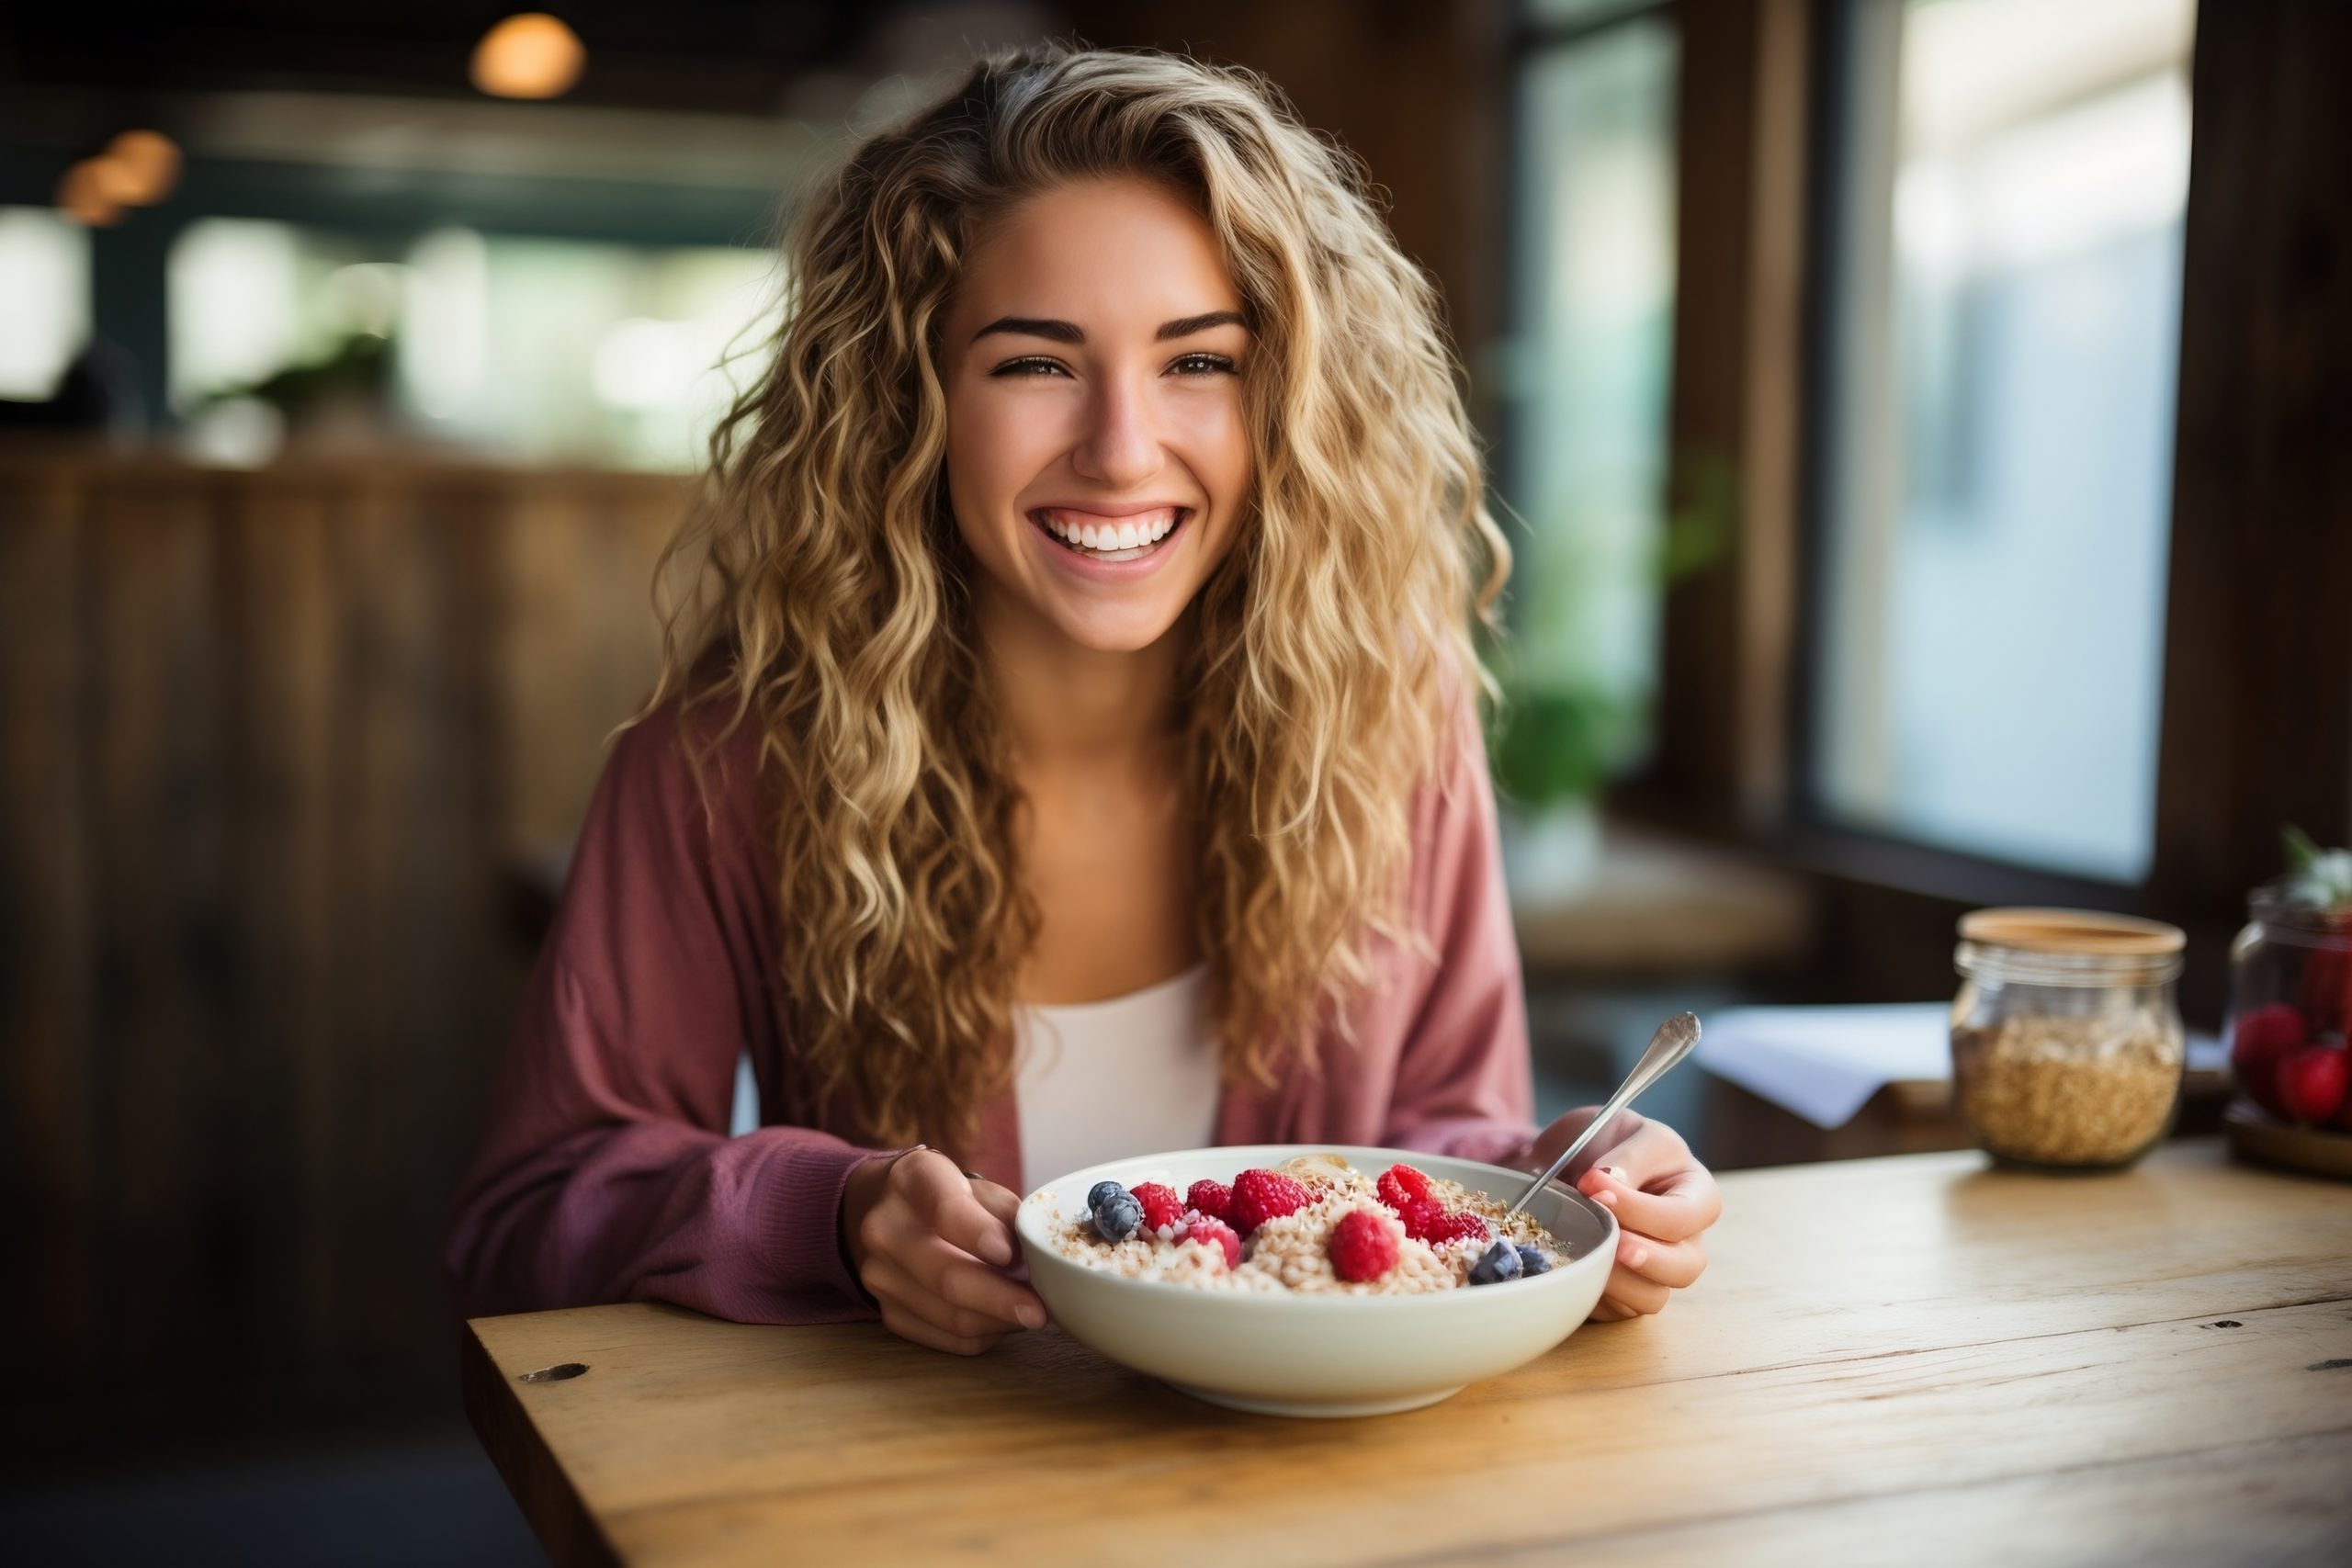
point(1320, 1355)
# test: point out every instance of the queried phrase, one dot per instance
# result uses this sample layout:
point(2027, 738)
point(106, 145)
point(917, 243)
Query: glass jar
point(2290, 984)
point(2066, 1045)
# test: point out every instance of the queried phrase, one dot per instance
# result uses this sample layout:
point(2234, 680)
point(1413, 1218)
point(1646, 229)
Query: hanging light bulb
point(85, 194)
point(532, 55)
point(143, 168)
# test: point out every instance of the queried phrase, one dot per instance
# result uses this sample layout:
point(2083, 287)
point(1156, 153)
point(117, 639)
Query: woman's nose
point(1121, 446)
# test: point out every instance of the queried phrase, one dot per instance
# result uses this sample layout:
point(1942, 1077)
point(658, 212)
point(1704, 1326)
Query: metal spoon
point(1674, 1040)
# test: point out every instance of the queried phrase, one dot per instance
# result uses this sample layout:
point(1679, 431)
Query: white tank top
point(1099, 1081)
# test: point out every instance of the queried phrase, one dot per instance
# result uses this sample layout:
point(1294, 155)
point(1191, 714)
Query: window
point(45, 278)
point(1587, 374)
point(558, 349)
point(527, 348)
point(2003, 319)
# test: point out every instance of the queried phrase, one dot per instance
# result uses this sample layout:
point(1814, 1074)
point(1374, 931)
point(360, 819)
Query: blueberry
point(1535, 1260)
point(1499, 1262)
point(1119, 1216)
point(1101, 1193)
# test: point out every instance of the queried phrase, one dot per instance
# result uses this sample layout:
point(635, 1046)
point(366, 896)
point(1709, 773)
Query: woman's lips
point(1110, 537)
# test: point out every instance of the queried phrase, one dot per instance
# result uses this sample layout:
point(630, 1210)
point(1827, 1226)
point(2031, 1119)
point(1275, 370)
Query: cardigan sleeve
point(605, 1172)
point(1464, 1083)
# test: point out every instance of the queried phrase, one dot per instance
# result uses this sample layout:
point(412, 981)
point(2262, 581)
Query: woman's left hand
point(1664, 1199)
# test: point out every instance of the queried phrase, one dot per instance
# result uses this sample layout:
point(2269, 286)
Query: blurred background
point(1922, 422)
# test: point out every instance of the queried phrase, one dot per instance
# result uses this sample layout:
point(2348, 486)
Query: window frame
point(1829, 838)
point(1528, 40)
point(2256, 726)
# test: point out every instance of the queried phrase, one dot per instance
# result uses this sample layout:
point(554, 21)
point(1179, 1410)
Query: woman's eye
point(1185, 365)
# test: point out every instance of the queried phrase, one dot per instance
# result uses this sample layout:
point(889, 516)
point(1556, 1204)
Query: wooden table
point(1915, 1359)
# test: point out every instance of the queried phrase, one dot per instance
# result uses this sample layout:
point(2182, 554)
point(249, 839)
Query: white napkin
point(1823, 1063)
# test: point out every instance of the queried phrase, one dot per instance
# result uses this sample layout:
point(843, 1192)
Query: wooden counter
point(1915, 1359)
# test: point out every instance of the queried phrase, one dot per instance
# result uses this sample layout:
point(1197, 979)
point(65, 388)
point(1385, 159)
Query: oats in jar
point(2061, 1090)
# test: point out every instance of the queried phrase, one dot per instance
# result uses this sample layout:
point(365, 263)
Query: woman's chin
point(1127, 633)
point(1122, 629)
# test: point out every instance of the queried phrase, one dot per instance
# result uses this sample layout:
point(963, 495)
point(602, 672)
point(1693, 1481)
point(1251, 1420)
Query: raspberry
point(1364, 1245)
point(1262, 1195)
point(2260, 1041)
point(1208, 1229)
point(1400, 1184)
point(1425, 1220)
point(1423, 1216)
point(2312, 1080)
point(1214, 1199)
point(1161, 1207)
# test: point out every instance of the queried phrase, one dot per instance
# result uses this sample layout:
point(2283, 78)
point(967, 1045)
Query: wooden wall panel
point(576, 557)
point(271, 746)
point(166, 1043)
point(284, 601)
point(47, 950)
point(1728, 656)
point(2258, 711)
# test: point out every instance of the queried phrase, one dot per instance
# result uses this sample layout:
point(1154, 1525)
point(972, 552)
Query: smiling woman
point(1098, 458)
point(1071, 750)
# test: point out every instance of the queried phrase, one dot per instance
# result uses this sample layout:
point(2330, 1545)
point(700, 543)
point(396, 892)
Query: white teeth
point(1114, 541)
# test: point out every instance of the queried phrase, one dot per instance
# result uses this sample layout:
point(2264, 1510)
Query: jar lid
point(2090, 932)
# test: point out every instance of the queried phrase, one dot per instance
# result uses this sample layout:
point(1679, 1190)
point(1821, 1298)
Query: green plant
point(2318, 878)
point(1557, 738)
point(1556, 743)
point(360, 364)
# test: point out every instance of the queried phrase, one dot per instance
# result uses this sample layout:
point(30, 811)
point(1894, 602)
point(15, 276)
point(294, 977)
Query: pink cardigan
point(606, 1174)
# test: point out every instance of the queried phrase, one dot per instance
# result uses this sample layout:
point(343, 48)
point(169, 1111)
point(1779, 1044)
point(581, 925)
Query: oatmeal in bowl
point(1313, 1224)
point(1314, 1280)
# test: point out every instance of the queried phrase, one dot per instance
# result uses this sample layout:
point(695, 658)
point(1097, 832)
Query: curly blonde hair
point(833, 593)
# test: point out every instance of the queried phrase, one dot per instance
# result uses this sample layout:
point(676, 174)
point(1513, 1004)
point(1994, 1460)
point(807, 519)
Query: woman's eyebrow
point(1185, 326)
point(1033, 326)
point(1069, 332)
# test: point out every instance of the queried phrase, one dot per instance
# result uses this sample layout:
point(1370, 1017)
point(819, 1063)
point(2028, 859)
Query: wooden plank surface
point(56, 1155)
point(269, 740)
point(1914, 1356)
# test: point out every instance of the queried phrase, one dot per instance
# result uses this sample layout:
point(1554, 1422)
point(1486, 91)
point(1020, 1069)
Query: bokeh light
point(142, 167)
point(87, 194)
point(532, 55)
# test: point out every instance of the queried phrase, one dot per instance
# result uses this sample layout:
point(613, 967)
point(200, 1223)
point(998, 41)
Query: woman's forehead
point(1112, 256)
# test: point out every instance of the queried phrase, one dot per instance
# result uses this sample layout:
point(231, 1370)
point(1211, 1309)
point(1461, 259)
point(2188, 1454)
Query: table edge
point(541, 1488)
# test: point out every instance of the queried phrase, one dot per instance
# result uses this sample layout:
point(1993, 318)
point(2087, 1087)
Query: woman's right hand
point(933, 1246)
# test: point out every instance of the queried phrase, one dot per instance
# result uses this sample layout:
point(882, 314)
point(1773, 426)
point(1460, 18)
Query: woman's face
point(1092, 360)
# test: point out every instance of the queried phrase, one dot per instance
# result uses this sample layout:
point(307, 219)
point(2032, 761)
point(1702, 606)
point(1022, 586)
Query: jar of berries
point(2291, 992)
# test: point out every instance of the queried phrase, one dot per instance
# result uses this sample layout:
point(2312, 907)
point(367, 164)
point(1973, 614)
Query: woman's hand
point(933, 1246)
point(1664, 1199)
